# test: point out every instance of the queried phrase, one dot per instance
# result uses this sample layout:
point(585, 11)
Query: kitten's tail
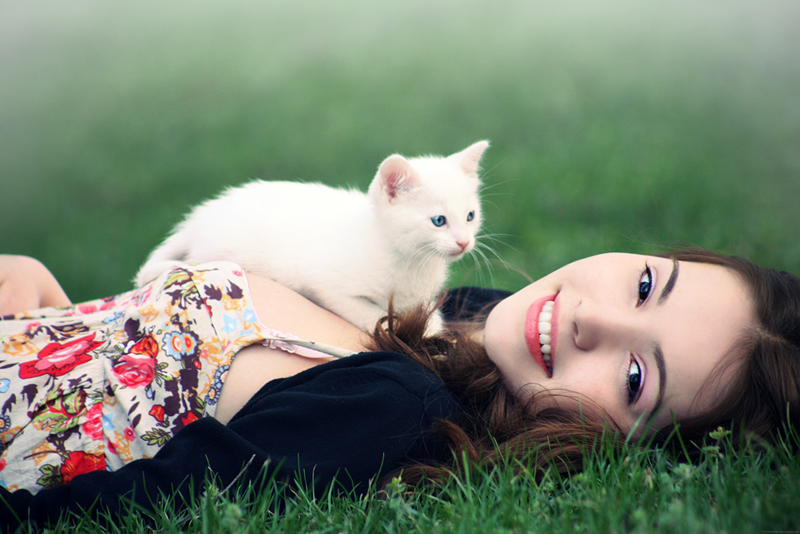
point(171, 252)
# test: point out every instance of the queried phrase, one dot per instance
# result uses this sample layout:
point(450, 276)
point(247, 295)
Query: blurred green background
point(615, 125)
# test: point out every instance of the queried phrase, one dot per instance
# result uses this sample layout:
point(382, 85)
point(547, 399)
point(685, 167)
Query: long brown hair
point(497, 422)
point(763, 398)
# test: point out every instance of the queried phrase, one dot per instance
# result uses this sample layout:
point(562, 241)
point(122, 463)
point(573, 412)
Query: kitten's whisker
point(487, 233)
point(493, 251)
point(500, 262)
point(494, 238)
point(494, 235)
point(420, 253)
point(487, 173)
point(425, 256)
point(489, 202)
point(500, 259)
point(485, 187)
point(480, 260)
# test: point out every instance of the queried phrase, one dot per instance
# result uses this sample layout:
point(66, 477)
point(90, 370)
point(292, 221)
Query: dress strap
point(301, 347)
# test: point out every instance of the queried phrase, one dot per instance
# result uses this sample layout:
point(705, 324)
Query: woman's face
point(637, 335)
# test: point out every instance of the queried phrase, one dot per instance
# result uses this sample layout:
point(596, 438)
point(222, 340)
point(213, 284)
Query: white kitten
point(343, 249)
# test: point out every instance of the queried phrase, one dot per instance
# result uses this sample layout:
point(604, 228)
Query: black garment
point(356, 417)
point(465, 303)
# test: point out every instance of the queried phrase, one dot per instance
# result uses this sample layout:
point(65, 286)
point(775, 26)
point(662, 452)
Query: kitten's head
point(430, 205)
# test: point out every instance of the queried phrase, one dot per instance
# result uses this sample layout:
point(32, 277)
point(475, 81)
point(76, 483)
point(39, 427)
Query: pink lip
point(532, 331)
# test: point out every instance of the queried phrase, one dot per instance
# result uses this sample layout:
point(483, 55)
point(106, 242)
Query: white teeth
point(545, 328)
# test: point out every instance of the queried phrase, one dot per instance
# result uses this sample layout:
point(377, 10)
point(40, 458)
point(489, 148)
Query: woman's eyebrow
point(657, 352)
point(662, 381)
point(668, 287)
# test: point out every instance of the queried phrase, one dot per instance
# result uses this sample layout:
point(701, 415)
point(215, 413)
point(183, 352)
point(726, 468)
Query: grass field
point(614, 126)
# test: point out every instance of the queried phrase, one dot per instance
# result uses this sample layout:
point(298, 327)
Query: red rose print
point(93, 427)
point(87, 308)
point(80, 462)
point(135, 372)
point(2, 463)
point(56, 359)
point(147, 345)
point(158, 413)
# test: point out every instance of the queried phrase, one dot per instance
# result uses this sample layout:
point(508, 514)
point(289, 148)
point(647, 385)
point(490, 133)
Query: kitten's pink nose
point(463, 245)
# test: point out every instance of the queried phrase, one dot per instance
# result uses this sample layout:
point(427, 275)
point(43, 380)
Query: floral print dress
point(100, 384)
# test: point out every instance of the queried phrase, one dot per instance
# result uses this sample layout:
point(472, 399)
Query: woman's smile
point(541, 329)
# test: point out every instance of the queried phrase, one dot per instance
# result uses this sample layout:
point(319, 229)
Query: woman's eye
point(633, 380)
point(438, 220)
point(470, 216)
point(645, 285)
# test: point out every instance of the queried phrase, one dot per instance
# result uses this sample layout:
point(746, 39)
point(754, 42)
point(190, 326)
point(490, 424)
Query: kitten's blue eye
point(634, 380)
point(645, 285)
point(470, 216)
point(438, 221)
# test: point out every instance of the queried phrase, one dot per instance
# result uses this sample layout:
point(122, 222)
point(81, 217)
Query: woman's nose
point(596, 325)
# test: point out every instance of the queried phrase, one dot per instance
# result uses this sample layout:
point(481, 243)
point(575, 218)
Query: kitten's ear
point(470, 158)
point(396, 175)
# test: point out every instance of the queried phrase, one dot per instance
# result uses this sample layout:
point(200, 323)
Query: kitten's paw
point(435, 324)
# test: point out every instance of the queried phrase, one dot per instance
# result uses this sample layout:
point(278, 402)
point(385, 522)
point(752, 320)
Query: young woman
point(148, 392)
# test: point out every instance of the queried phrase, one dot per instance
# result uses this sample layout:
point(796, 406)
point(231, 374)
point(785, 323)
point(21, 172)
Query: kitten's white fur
point(343, 249)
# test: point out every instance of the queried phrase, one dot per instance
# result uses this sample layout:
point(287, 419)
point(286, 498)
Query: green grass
point(635, 490)
point(614, 126)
